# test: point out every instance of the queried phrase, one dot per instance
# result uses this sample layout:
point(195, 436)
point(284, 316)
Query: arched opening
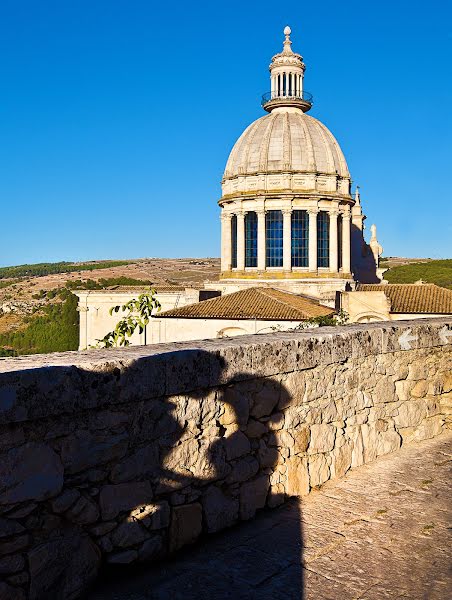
point(323, 239)
point(234, 241)
point(370, 318)
point(251, 239)
point(231, 332)
point(300, 238)
point(274, 238)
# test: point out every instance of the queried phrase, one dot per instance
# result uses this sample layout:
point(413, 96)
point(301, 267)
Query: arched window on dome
point(251, 239)
point(300, 238)
point(323, 239)
point(234, 241)
point(274, 238)
point(339, 242)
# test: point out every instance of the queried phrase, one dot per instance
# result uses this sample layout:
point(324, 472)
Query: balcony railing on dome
point(275, 98)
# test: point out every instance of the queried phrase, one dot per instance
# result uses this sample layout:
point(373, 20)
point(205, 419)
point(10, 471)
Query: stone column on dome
point(260, 240)
point(346, 242)
point(287, 239)
point(240, 240)
point(313, 239)
point(333, 241)
point(226, 241)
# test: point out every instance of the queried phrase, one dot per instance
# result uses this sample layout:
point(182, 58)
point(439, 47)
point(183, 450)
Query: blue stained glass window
point(251, 239)
point(234, 241)
point(323, 239)
point(339, 242)
point(274, 238)
point(300, 238)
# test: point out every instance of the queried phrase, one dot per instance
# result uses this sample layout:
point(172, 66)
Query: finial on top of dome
point(287, 43)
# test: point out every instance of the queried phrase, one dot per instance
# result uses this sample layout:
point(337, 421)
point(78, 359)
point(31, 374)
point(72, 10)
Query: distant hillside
point(41, 269)
point(431, 271)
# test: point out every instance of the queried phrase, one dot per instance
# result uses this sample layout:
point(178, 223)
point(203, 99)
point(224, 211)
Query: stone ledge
point(33, 387)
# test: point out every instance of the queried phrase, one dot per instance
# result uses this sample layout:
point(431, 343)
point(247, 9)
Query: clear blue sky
point(117, 117)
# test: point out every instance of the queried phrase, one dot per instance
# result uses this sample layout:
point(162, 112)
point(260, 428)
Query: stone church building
point(292, 242)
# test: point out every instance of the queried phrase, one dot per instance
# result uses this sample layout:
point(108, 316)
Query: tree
point(139, 312)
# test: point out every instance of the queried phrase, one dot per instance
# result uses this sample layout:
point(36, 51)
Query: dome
point(286, 141)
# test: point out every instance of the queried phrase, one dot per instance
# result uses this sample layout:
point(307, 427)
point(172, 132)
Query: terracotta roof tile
point(253, 303)
point(425, 298)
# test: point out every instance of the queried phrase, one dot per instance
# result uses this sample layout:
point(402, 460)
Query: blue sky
point(117, 118)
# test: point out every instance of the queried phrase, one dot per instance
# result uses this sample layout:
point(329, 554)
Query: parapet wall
point(124, 456)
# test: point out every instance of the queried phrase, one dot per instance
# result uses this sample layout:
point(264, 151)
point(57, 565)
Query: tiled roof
point(253, 303)
point(425, 298)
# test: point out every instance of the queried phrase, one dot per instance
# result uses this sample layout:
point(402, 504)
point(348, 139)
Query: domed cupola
point(286, 150)
point(286, 193)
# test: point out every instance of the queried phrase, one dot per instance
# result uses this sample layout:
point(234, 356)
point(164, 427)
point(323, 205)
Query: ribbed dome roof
point(286, 141)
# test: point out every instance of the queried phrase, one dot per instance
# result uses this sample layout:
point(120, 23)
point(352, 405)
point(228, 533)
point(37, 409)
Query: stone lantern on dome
point(286, 205)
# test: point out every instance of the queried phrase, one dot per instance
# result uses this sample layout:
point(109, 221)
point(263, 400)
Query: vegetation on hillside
point(434, 271)
point(5, 284)
point(53, 329)
point(58, 267)
point(90, 284)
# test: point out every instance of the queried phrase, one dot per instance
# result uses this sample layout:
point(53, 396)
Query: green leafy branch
point(139, 312)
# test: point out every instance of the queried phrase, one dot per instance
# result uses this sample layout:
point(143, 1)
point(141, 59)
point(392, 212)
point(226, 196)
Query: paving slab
point(381, 532)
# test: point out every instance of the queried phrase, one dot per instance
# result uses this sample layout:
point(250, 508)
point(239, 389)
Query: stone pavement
point(380, 532)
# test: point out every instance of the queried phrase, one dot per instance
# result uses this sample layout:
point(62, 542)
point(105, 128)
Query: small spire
point(373, 232)
point(357, 197)
point(287, 43)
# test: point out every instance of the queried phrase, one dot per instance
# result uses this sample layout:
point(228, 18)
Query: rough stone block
point(220, 510)
point(243, 469)
point(319, 471)
point(253, 495)
point(151, 548)
point(411, 413)
point(297, 483)
point(11, 564)
point(322, 438)
point(123, 497)
point(255, 429)
point(186, 525)
point(266, 399)
point(31, 472)
point(85, 449)
point(144, 461)
point(153, 516)
point(8, 592)
point(9, 528)
point(236, 445)
point(63, 567)
point(123, 558)
point(342, 460)
point(129, 533)
point(83, 512)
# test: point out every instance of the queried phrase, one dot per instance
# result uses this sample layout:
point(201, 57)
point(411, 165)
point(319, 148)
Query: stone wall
point(124, 456)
